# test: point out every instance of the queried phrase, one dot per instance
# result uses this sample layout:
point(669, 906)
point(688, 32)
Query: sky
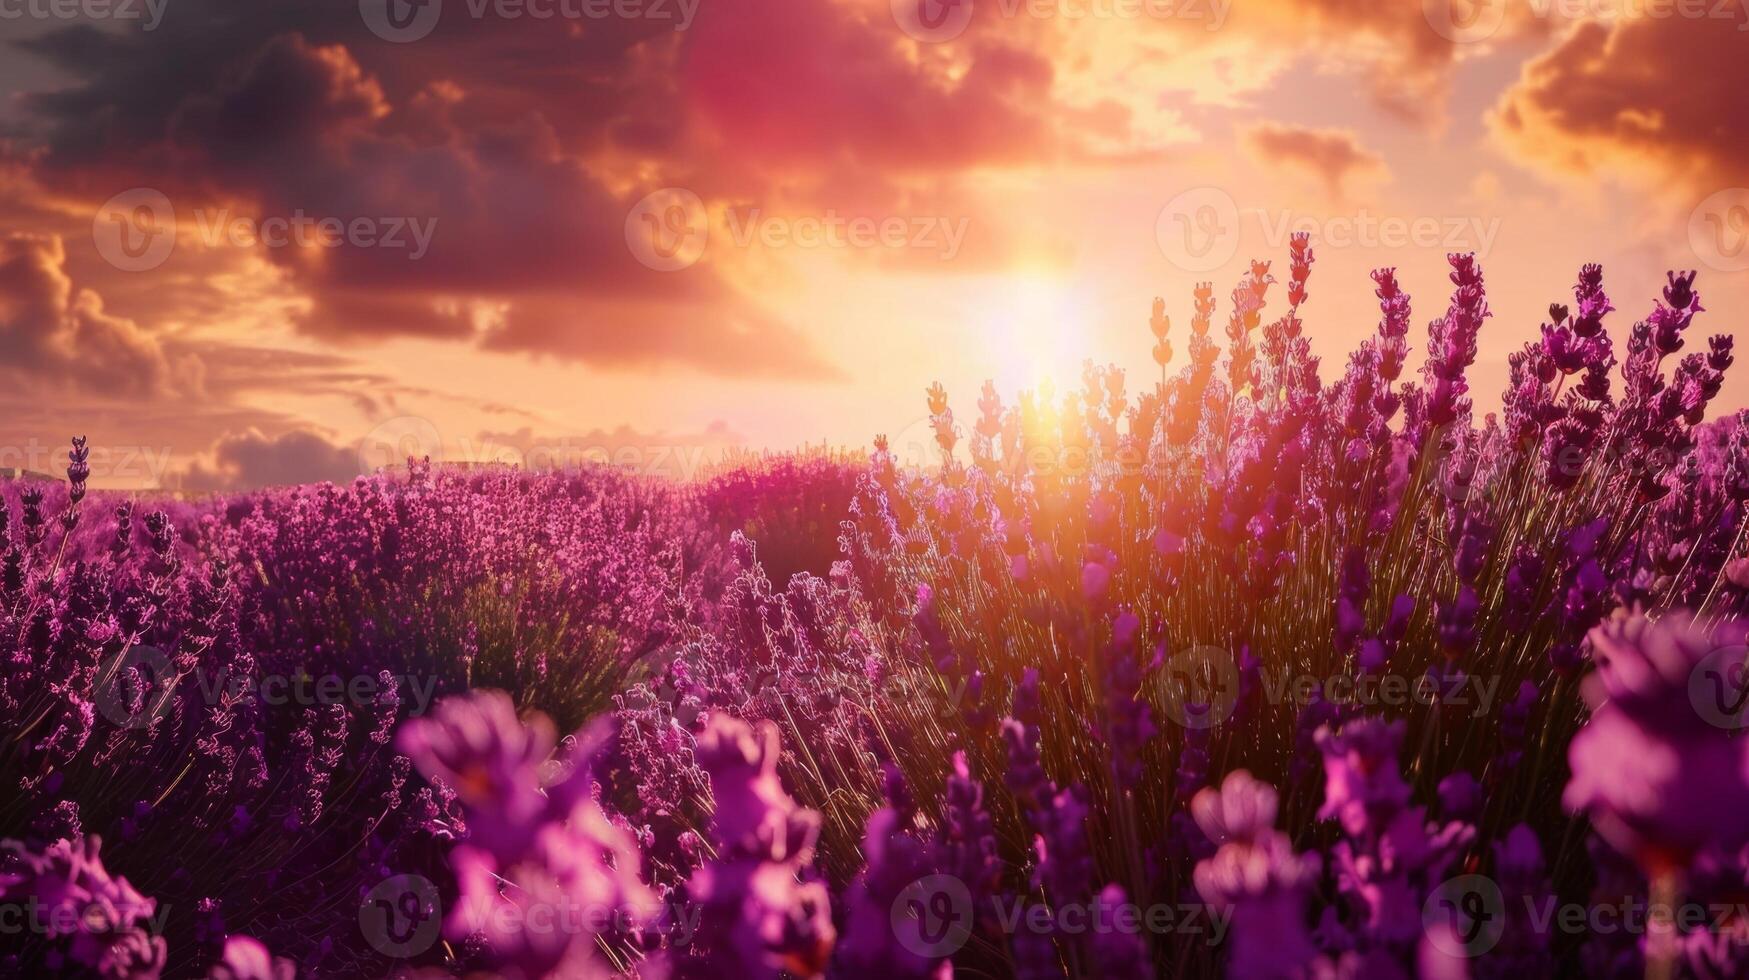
point(246, 244)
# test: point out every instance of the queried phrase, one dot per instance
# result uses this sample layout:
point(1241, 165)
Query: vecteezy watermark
point(1464, 21)
point(935, 21)
point(109, 464)
point(1200, 230)
point(565, 916)
point(394, 441)
point(137, 231)
point(1466, 916)
point(401, 916)
point(138, 685)
point(1200, 688)
point(412, 692)
point(1363, 229)
point(403, 21)
point(1477, 692)
point(1718, 687)
point(1462, 477)
point(915, 448)
point(147, 13)
point(932, 916)
point(935, 915)
point(1473, 21)
point(33, 916)
point(932, 21)
point(924, 232)
point(1718, 230)
point(669, 230)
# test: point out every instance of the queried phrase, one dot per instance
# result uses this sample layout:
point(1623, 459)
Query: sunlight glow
point(1035, 327)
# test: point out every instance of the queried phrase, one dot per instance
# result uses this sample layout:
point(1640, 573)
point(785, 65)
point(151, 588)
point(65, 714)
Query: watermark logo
point(150, 13)
point(108, 464)
point(658, 670)
point(411, 692)
point(135, 687)
point(916, 448)
point(1718, 687)
point(1213, 13)
point(668, 229)
point(96, 920)
point(404, 21)
point(932, 916)
point(1718, 230)
point(401, 916)
point(401, 21)
point(932, 21)
point(135, 231)
point(1364, 229)
point(1199, 229)
point(937, 21)
point(1465, 916)
point(1464, 21)
point(829, 229)
point(1200, 687)
point(392, 443)
point(1473, 21)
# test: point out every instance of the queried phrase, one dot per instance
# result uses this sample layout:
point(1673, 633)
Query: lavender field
point(1229, 664)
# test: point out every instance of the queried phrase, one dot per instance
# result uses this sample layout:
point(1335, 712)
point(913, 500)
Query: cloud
point(61, 337)
point(1654, 101)
point(461, 209)
point(806, 84)
point(249, 459)
point(1332, 155)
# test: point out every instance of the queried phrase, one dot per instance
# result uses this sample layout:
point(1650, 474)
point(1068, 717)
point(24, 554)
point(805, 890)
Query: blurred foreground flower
point(1657, 775)
point(99, 922)
point(544, 874)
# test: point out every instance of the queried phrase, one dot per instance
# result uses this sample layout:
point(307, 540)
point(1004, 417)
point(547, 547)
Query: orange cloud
point(59, 337)
point(1653, 100)
point(1332, 155)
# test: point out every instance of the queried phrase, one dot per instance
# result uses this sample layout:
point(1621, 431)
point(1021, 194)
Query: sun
point(1035, 327)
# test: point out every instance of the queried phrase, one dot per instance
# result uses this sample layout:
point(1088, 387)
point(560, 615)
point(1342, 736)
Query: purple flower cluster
point(1103, 609)
point(212, 687)
point(1247, 672)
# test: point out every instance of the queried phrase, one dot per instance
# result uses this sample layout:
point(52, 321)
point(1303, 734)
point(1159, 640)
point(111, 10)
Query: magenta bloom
point(478, 747)
point(1658, 780)
point(1363, 789)
point(544, 872)
point(1242, 809)
point(761, 916)
point(1257, 877)
point(246, 959)
point(109, 927)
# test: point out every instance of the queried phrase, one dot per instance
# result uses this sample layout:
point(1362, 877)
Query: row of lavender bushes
point(154, 723)
point(1050, 672)
point(1047, 673)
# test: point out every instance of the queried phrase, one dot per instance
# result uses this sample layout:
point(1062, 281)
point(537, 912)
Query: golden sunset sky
point(277, 241)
